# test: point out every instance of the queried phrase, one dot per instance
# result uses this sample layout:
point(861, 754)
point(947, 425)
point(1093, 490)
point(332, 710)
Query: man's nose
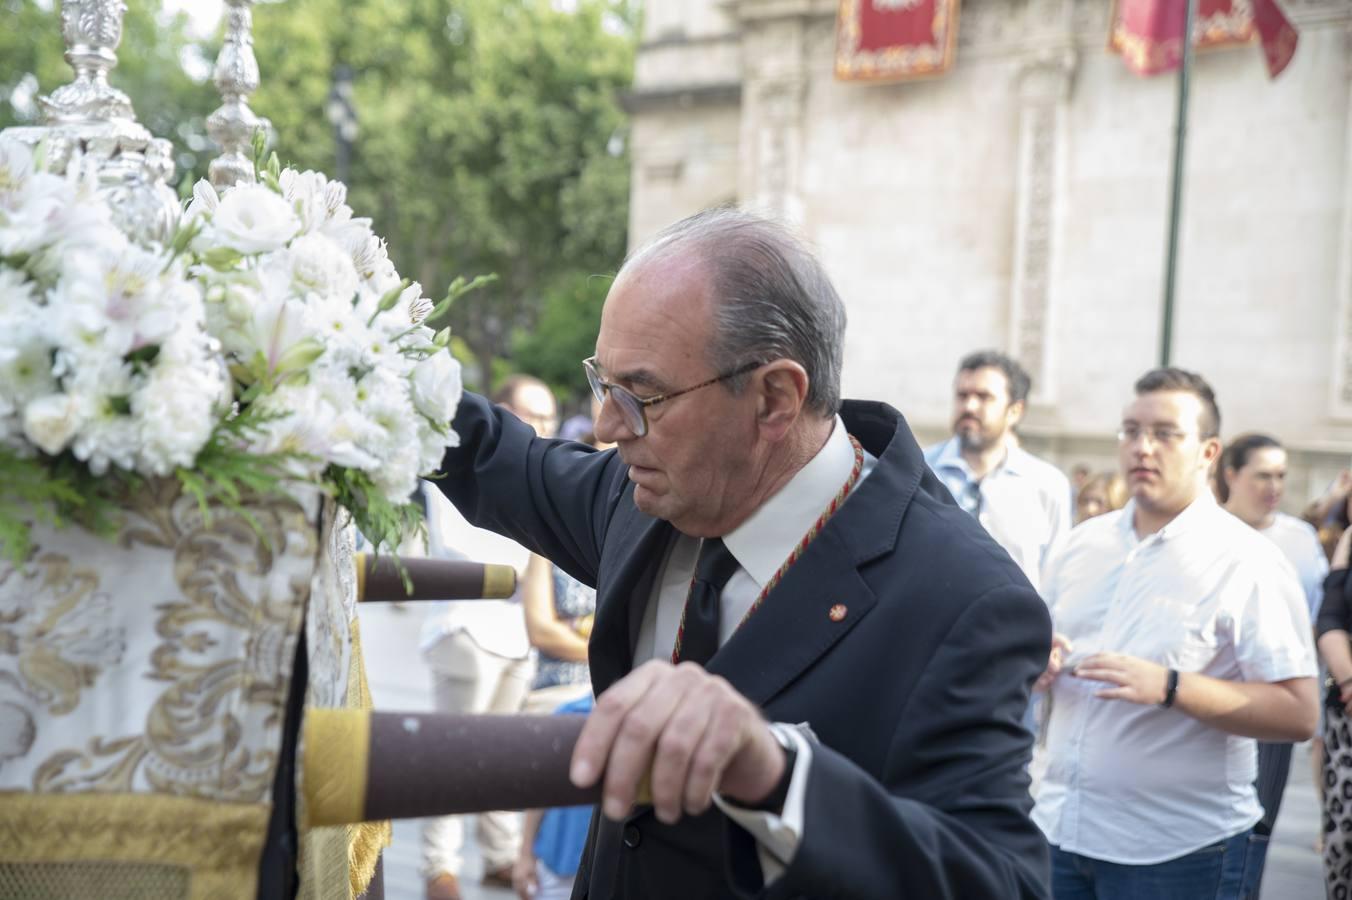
point(610, 427)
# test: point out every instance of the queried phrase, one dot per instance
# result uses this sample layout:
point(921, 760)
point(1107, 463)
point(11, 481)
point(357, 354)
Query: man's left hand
point(1137, 680)
point(690, 729)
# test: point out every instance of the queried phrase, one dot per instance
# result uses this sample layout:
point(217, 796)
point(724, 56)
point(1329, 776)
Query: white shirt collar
point(1200, 507)
point(950, 456)
point(765, 540)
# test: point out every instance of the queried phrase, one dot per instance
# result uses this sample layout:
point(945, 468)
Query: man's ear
point(1211, 450)
point(781, 393)
point(1014, 414)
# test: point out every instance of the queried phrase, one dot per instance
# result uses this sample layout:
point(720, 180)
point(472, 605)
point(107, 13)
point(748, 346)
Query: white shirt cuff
point(777, 836)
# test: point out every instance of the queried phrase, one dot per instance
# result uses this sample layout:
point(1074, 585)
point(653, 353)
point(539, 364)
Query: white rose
point(252, 219)
point(51, 421)
point(436, 386)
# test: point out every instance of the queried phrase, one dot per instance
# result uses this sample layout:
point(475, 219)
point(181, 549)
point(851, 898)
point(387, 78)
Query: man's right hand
point(1057, 659)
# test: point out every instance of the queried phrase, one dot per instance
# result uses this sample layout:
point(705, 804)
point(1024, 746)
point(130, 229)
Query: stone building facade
point(1020, 201)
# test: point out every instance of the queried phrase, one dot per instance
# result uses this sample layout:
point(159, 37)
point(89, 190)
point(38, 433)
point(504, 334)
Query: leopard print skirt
point(1337, 803)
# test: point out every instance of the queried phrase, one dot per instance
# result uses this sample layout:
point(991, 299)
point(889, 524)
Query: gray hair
point(772, 297)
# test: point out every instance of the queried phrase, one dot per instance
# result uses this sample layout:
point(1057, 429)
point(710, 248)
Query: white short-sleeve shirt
point(1300, 542)
point(1138, 785)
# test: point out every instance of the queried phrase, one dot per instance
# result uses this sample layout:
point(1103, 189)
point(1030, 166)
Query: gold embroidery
point(217, 843)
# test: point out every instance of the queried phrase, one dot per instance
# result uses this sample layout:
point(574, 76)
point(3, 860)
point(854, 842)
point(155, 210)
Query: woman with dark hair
point(1250, 483)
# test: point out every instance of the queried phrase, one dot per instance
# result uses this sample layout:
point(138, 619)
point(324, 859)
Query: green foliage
point(490, 140)
point(381, 522)
point(225, 474)
point(564, 334)
point(57, 491)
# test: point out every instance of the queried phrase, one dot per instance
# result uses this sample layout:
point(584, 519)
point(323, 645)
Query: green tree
point(491, 140)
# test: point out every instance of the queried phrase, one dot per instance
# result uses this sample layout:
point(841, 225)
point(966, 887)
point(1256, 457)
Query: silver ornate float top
point(92, 118)
point(232, 126)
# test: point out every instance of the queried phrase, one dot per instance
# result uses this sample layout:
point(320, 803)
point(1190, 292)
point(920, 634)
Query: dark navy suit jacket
point(918, 787)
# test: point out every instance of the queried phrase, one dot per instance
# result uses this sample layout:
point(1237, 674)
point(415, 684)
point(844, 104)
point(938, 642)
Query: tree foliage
point(490, 140)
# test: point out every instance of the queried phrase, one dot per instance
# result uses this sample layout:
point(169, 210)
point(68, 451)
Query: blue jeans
point(1212, 873)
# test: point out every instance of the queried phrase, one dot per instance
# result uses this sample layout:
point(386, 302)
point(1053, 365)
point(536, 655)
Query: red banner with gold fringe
point(893, 40)
point(1149, 33)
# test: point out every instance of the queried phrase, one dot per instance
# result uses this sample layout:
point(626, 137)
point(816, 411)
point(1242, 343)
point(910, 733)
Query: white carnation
point(175, 414)
point(314, 264)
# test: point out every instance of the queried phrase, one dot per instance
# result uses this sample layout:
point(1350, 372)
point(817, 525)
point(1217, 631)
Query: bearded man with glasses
point(1182, 635)
point(813, 657)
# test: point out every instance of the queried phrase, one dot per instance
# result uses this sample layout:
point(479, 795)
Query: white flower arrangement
point(272, 341)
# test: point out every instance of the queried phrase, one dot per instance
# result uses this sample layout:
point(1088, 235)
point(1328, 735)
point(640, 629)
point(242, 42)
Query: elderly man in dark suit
point(812, 657)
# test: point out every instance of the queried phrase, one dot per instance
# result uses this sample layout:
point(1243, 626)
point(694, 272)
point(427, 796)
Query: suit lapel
point(823, 596)
point(623, 595)
point(819, 600)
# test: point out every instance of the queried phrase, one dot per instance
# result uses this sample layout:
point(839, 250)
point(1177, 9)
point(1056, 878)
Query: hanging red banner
point(893, 40)
point(1149, 33)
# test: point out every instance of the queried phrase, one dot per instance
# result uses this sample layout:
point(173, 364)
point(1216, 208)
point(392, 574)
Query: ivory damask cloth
point(143, 682)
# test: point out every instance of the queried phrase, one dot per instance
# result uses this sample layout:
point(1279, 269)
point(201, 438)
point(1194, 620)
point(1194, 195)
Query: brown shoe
point(444, 886)
point(500, 877)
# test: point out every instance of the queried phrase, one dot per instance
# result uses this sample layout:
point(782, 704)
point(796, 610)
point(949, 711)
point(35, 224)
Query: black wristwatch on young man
point(1170, 690)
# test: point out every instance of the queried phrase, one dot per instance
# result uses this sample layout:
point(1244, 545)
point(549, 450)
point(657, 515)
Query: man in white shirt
point(1022, 501)
point(1182, 635)
point(480, 656)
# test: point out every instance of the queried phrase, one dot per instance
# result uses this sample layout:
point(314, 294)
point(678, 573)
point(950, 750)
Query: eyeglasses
point(634, 409)
point(1160, 436)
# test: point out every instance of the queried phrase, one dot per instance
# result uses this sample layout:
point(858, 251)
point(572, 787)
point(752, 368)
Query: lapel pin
point(838, 612)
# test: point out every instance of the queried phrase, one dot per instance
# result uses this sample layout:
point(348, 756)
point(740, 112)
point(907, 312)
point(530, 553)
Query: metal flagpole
point(1176, 195)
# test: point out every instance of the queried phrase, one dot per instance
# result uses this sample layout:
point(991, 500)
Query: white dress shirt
point(1023, 503)
point(1300, 542)
point(760, 545)
point(1138, 785)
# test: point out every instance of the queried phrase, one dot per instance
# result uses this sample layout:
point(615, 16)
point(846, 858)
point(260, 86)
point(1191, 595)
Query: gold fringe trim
point(219, 844)
point(366, 840)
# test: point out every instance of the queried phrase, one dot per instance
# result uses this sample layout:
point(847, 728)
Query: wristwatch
point(1170, 690)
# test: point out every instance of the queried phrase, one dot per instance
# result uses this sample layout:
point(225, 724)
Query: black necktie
point(716, 564)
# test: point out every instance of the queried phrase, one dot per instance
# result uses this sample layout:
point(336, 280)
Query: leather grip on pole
point(365, 766)
point(379, 579)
